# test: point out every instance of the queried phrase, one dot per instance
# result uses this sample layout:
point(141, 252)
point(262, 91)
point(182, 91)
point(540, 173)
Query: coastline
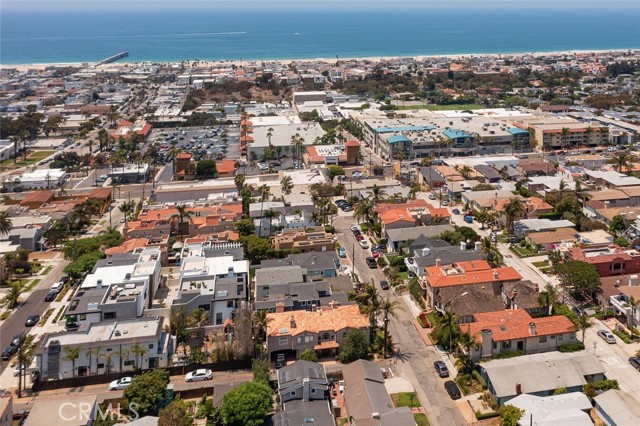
point(245, 62)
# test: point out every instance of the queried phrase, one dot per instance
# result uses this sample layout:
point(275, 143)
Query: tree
point(260, 370)
point(206, 168)
point(363, 210)
point(239, 180)
point(582, 322)
point(244, 227)
point(247, 404)
point(388, 308)
point(139, 351)
point(466, 171)
point(309, 355)
point(72, 353)
point(548, 298)
point(509, 415)
point(270, 215)
point(354, 346)
point(261, 321)
point(175, 414)
point(335, 171)
point(181, 215)
point(370, 300)
point(107, 356)
point(287, 184)
point(13, 295)
point(616, 226)
point(255, 248)
point(147, 391)
point(447, 329)
point(127, 209)
point(6, 225)
point(513, 211)
point(580, 278)
point(481, 217)
point(378, 193)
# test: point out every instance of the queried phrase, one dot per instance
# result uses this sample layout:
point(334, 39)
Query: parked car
point(384, 284)
point(341, 385)
point(452, 389)
point(19, 369)
point(360, 237)
point(455, 211)
point(375, 254)
point(342, 252)
point(441, 368)
point(347, 209)
point(18, 339)
point(607, 336)
point(432, 197)
point(635, 362)
point(8, 352)
point(371, 262)
point(199, 375)
point(468, 219)
point(444, 203)
point(380, 247)
point(281, 361)
point(364, 244)
point(120, 383)
point(32, 320)
point(357, 232)
point(354, 227)
point(51, 296)
point(57, 286)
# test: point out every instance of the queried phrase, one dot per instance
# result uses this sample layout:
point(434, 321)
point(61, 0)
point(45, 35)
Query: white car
point(341, 385)
point(354, 227)
point(364, 244)
point(18, 370)
point(199, 375)
point(120, 383)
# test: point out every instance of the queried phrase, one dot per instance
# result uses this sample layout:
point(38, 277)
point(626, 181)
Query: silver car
point(607, 336)
point(199, 375)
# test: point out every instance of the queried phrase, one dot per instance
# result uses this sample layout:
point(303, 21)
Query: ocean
point(66, 34)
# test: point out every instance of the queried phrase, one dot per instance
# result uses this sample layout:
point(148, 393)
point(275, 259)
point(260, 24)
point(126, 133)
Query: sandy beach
point(247, 62)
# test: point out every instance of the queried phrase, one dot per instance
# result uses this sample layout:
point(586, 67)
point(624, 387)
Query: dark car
point(380, 247)
point(9, 352)
point(32, 320)
point(51, 296)
point(441, 368)
point(18, 339)
point(384, 284)
point(452, 389)
point(347, 209)
point(371, 262)
point(635, 362)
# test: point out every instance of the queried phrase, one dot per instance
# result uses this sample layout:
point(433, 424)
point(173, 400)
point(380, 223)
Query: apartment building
point(140, 342)
point(314, 239)
point(608, 259)
point(562, 132)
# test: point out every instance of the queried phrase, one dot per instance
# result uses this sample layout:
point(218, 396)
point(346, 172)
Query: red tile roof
point(513, 324)
point(468, 273)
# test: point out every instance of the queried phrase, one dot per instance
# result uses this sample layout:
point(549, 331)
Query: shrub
point(623, 335)
point(476, 375)
point(571, 347)
point(463, 380)
point(485, 416)
point(423, 321)
point(416, 292)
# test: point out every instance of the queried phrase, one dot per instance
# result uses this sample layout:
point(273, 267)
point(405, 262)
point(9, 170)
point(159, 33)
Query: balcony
point(620, 304)
point(411, 265)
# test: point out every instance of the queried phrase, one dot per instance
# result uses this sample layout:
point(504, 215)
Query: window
point(218, 318)
point(100, 365)
point(129, 363)
point(240, 289)
point(240, 279)
point(109, 315)
point(553, 337)
point(151, 346)
point(543, 339)
point(560, 337)
point(495, 345)
point(313, 390)
point(283, 341)
point(205, 307)
point(293, 393)
point(506, 345)
point(82, 317)
point(572, 336)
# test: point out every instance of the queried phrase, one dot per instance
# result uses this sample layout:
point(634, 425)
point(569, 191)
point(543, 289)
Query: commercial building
point(129, 173)
point(38, 179)
point(111, 337)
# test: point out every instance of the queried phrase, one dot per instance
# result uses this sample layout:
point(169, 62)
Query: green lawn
point(32, 284)
point(31, 159)
point(404, 399)
point(47, 270)
point(421, 419)
point(523, 251)
point(540, 264)
point(432, 107)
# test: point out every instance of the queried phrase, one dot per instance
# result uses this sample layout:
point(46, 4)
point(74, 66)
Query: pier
point(112, 58)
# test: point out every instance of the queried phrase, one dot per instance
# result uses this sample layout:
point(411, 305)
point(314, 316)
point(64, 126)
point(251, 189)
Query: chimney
point(496, 275)
point(518, 389)
point(305, 389)
point(279, 307)
point(463, 245)
point(487, 343)
point(99, 283)
point(532, 328)
point(438, 262)
point(292, 322)
point(334, 304)
point(375, 415)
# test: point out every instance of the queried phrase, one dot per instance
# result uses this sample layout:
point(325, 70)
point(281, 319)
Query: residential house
point(516, 330)
point(626, 299)
point(550, 240)
point(322, 330)
point(317, 264)
point(588, 161)
point(366, 399)
point(568, 409)
point(215, 284)
point(531, 167)
point(110, 337)
point(426, 251)
point(304, 393)
point(524, 227)
point(398, 239)
point(608, 259)
point(617, 408)
point(81, 411)
point(540, 374)
point(314, 239)
point(487, 200)
point(472, 273)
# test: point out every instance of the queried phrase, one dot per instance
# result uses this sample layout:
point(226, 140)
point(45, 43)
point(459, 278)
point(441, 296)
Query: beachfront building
point(562, 132)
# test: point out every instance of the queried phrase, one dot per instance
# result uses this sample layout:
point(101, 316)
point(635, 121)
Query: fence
point(42, 385)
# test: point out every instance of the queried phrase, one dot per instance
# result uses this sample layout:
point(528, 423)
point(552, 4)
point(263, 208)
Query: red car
point(360, 237)
point(375, 254)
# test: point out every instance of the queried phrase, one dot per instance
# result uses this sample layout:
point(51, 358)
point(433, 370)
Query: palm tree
point(448, 324)
point(261, 321)
point(287, 184)
point(370, 299)
point(198, 317)
point(565, 133)
point(378, 194)
point(465, 342)
point(582, 323)
point(363, 211)
point(139, 352)
point(123, 353)
point(181, 215)
point(127, 209)
point(270, 215)
point(94, 351)
point(466, 171)
point(297, 142)
point(548, 298)
point(239, 181)
point(621, 161)
point(513, 211)
point(269, 134)
point(265, 191)
point(494, 257)
point(107, 357)
point(388, 308)
point(13, 296)
point(481, 217)
point(72, 353)
point(6, 225)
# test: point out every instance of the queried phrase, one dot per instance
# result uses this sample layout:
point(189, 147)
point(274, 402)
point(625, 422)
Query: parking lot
point(210, 142)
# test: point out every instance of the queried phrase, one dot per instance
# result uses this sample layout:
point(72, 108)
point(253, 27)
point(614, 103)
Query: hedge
point(486, 415)
point(571, 347)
